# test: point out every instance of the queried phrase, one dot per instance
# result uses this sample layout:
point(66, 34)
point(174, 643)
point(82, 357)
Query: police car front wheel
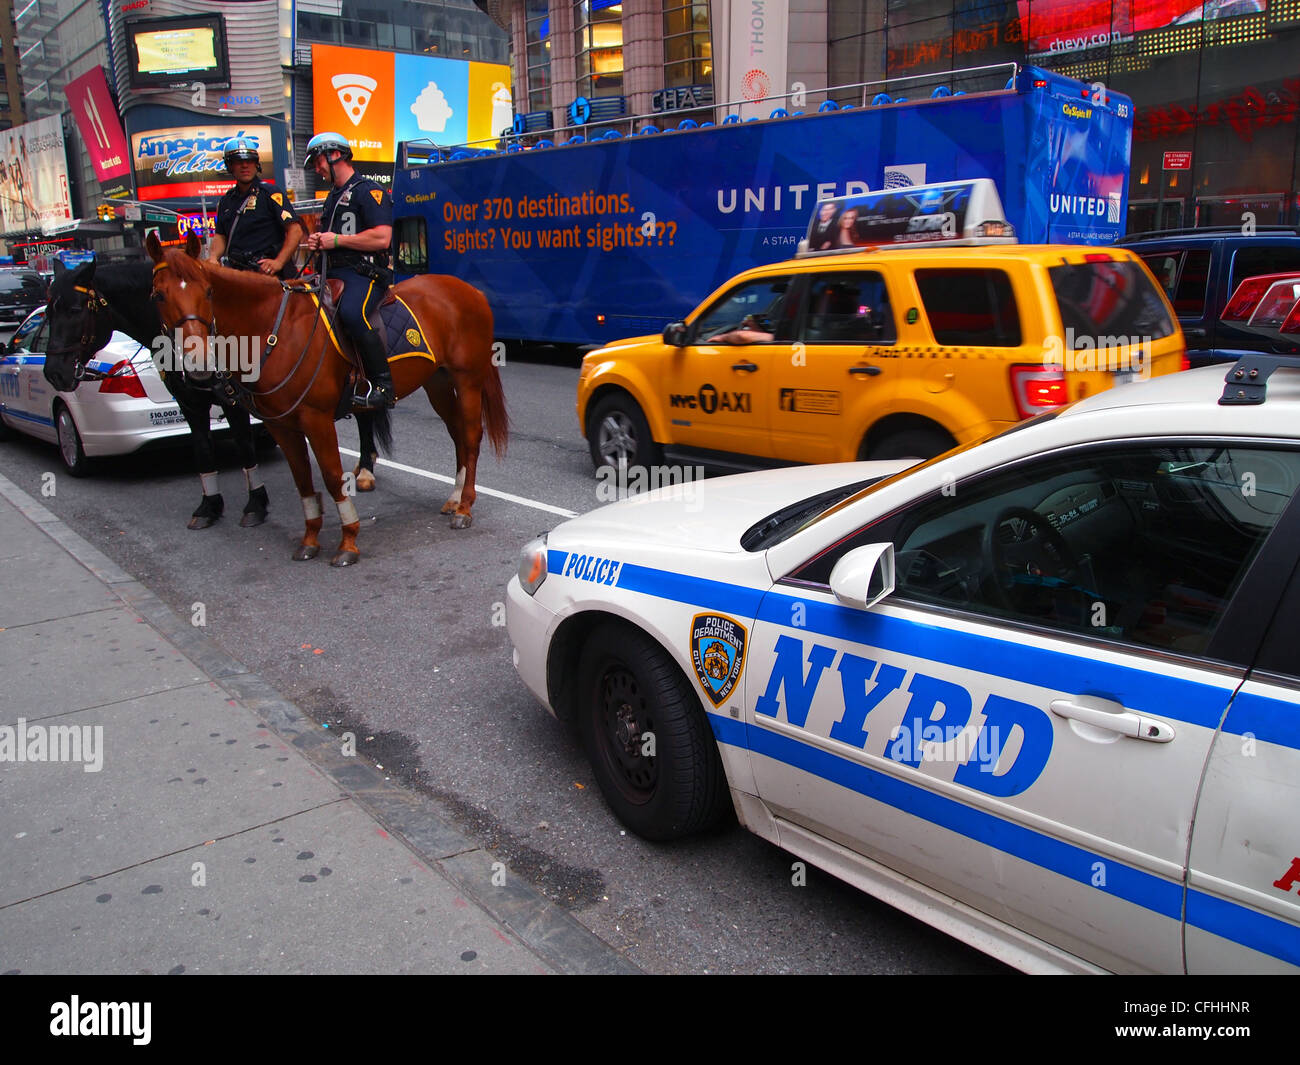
point(619, 434)
point(650, 747)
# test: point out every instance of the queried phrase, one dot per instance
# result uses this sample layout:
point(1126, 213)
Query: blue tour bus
point(591, 241)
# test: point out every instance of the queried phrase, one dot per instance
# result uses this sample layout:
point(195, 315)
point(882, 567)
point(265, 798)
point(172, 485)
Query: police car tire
point(5, 432)
point(70, 449)
point(910, 443)
point(623, 409)
point(688, 793)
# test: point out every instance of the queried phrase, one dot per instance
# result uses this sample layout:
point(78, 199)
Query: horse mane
point(200, 270)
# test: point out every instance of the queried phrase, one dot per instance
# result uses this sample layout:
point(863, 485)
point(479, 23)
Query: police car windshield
point(788, 520)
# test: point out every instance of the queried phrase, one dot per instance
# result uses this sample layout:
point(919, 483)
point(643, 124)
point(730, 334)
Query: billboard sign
point(101, 130)
point(376, 99)
point(34, 188)
point(1058, 26)
point(186, 161)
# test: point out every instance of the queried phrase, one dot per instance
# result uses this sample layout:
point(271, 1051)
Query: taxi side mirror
point(864, 576)
point(675, 335)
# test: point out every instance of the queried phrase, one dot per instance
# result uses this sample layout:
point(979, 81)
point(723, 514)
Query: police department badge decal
point(718, 651)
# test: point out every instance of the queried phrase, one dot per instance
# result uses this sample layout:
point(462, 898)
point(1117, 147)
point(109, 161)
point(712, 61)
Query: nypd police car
point(1041, 692)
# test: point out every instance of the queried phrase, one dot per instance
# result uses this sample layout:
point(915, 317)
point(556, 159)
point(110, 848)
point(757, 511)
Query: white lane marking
point(521, 500)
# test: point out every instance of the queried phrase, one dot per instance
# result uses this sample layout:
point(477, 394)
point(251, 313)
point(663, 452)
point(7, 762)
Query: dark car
point(1200, 269)
point(21, 292)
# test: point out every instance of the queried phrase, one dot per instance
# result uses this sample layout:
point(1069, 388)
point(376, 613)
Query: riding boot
point(375, 360)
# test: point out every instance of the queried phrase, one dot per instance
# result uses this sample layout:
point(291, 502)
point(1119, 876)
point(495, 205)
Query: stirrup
point(376, 398)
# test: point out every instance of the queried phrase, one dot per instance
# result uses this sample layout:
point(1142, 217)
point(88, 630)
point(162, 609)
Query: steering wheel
point(1022, 549)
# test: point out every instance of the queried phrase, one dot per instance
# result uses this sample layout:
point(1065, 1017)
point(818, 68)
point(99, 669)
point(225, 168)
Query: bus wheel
point(619, 435)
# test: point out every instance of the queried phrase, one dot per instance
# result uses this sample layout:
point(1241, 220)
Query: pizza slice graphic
point(355, 91)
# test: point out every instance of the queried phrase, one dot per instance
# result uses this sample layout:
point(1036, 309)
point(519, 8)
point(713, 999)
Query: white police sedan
point(1042, 693)
point(121, 407)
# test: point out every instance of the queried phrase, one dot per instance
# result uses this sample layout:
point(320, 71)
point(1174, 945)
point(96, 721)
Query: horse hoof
point(346, 558)
point(251, 518)
point(365, 481)
point(305, 552)
point(448, 507)
point(461, 521)
point(201, 521)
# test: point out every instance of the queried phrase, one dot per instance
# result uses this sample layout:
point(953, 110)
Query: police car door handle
point(1125, 722)
point(748, 367)
point(870, 371)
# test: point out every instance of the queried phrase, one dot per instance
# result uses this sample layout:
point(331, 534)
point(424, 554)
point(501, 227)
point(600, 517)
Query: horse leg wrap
point(210, 485)
point(347, 512)
point(311, 507)
point(252, 477)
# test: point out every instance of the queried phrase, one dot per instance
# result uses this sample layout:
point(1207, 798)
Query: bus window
point(412, 247)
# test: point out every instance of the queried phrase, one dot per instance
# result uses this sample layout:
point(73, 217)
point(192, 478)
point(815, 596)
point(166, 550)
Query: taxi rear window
point(970, 307)
point(1114, 299)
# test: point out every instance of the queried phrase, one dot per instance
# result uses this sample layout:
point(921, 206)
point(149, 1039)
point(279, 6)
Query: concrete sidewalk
point(200, 823)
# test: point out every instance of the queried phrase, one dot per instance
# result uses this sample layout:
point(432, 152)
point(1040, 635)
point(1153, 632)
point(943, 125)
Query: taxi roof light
point(945, 214)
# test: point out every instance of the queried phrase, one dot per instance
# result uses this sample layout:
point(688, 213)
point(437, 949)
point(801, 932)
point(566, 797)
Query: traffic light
point(106, 212)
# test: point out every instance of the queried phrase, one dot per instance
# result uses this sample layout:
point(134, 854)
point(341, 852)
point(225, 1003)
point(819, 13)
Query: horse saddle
point(398, 328)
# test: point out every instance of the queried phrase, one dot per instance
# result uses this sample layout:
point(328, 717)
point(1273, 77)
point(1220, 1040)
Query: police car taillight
point(122, 380)
point(1037, 388)
point(532, 565)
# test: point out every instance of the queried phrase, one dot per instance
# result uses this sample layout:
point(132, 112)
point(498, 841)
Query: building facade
point(1218, 80)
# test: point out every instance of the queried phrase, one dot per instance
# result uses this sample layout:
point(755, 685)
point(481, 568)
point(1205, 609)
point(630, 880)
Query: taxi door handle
point(870, 371)
point(1126, 723)
point(748, 367)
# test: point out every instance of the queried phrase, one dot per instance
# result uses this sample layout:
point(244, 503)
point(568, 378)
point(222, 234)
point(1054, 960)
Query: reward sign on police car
point(718, 649)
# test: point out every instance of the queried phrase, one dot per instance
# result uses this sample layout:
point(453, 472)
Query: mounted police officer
point(257, 228)
point(356, 228)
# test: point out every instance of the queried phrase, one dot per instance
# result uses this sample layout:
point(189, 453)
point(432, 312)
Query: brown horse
point(302, 376)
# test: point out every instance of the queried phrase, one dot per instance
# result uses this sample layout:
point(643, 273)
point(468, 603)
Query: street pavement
point(197, 822)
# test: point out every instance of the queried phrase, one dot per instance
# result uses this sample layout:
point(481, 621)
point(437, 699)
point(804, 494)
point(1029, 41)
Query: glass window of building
point(537, 35)
point(598, 28)
point(688, 46)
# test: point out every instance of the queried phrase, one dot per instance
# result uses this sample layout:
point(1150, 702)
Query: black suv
point(1200, 269)
point(21, 292)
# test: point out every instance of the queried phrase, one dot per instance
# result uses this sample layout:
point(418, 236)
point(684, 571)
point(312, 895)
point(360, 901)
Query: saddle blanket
point(402, 334)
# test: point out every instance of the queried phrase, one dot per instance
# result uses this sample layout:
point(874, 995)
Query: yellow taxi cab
point(881, 340)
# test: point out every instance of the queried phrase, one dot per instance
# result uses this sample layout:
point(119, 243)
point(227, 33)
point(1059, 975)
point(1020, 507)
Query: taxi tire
point(910, 443)
point(689, 792)
point(623, 409)
point(70, 449)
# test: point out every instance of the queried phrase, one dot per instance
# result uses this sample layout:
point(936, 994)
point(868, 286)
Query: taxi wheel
point(650, 747)
point(909, 444)
point(619, 435)
point(74, 456)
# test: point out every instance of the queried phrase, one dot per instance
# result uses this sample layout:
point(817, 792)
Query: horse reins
point(271, 341)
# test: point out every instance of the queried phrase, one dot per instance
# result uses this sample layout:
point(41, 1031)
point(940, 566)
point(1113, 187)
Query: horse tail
point(495, 417)
point(381, 424)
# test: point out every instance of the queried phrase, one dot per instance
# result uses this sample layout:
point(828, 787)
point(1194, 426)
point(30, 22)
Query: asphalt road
point(408, 650)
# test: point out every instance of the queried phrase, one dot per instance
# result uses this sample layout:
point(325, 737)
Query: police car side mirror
point(675, 335)
point(864, 576)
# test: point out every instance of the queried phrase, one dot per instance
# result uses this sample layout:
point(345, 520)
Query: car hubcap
point(617, 439)
point(67, 438)
point(626, 726)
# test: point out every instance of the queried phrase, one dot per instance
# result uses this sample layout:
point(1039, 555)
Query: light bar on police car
point(950, 213)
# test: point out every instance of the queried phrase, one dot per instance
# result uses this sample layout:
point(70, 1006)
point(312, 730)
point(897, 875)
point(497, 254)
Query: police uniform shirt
point(264, 217)
point(359, 205)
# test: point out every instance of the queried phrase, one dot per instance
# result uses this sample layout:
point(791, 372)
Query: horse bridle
point(225, 377)
point(81, 356)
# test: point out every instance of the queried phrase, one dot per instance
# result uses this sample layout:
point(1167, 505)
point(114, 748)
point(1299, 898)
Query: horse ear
point(59, 269)
point(192, 245)
point(153, 246)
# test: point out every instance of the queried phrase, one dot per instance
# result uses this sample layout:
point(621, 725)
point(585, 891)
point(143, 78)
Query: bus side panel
point(640, 229)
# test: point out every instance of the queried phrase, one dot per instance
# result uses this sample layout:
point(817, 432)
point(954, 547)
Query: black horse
point(83, 308)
